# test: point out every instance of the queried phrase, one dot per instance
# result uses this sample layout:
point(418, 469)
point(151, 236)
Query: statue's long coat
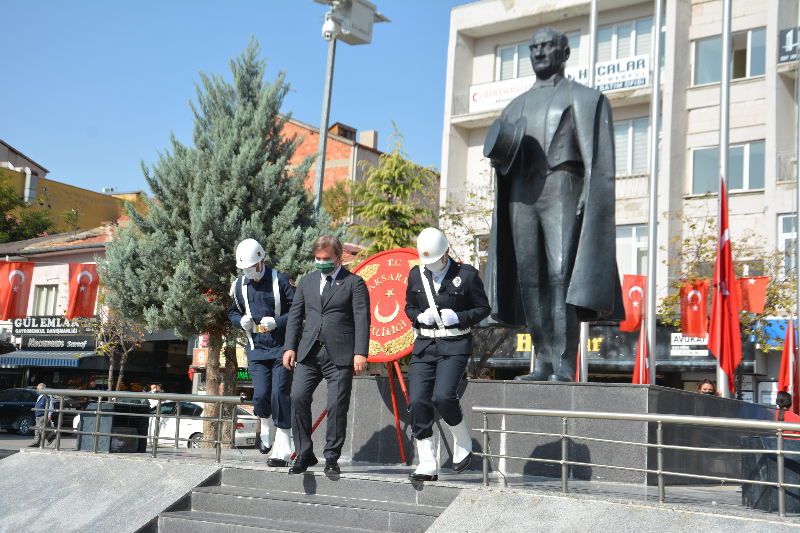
point(575, 113)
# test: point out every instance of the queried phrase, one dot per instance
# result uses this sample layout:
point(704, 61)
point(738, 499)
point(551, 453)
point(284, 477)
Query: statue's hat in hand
point(503, 142)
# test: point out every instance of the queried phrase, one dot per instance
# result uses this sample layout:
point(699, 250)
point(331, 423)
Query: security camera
point(330, 29)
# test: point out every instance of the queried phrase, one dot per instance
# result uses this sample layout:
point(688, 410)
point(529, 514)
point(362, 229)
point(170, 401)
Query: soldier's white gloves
point(426, 318)
point(247, 323)
point(268, 323)
point(449, 317)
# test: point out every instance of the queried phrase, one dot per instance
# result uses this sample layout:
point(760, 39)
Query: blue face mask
point(326, 267)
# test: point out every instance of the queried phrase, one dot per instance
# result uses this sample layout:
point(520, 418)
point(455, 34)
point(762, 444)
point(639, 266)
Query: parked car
point(193, 429)
point(16, 410)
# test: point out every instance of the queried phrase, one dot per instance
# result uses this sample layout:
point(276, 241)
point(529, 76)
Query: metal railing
point(778, 427)
point(471, 200)
point(786, 169)
point(632, 185)
point(159, 397)
point(460, 104)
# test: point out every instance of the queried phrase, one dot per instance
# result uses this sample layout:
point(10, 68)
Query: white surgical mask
point(251, 272)
point(438, 266)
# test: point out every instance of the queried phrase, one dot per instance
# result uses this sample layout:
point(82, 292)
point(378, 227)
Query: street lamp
point(349, 21)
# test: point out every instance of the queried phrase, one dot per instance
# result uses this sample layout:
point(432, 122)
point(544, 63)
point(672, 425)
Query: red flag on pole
point(641, 370)
point(15, 289)
point(724, 333)
point(788, 379)
point(83, 284)
point(694, 309)
point(633, 289)
point(752, 293)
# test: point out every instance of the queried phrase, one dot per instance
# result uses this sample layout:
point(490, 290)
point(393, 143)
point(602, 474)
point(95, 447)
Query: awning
point(43, 358)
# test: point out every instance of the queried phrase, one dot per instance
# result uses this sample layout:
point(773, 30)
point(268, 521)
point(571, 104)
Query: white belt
point(437, 333)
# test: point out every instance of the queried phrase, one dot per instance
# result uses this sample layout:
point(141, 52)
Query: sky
point(92, 88)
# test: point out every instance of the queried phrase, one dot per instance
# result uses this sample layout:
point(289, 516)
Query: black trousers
point(545, 230)
point(307, 376)
point(272, 388)
point(433, 382)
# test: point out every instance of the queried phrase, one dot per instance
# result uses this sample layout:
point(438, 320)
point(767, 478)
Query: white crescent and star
point(693, 293)
point(11, 279)
point(641, 295)
point(84, 273)
point(387, 319)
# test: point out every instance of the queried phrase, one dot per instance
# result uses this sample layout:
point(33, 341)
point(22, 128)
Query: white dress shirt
point(323, 277)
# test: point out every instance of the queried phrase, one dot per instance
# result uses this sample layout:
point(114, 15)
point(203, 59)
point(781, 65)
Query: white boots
point(282, 450)
point(462, 447)
point(265, 444)
point(428, 469)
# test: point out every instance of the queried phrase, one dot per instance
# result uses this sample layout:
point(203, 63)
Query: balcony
point(632, 185)
point(476, 201)
point(787, 166)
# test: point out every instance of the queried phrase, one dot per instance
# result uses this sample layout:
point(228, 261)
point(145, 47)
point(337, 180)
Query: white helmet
point(431, 245)
point(248, 253)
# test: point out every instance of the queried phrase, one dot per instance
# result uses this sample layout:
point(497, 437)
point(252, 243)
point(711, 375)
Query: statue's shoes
point(533, 376)
point(559, 377)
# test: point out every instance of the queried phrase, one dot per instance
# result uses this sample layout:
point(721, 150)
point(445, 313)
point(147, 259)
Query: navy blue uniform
point(437, 364)
point(272, 382)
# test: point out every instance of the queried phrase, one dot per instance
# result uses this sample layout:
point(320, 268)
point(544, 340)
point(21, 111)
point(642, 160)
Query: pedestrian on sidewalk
point(43, 419)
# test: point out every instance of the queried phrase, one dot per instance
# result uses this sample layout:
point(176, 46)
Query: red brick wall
point(335, 150)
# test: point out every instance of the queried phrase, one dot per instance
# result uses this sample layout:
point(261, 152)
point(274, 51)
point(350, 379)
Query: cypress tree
point(172, 268)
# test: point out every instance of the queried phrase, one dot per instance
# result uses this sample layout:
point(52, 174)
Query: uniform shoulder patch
point(293, 283)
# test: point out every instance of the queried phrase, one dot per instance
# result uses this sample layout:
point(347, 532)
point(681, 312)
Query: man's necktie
point(325, 290)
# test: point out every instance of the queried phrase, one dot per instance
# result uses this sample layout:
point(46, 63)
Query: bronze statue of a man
point(552, 255)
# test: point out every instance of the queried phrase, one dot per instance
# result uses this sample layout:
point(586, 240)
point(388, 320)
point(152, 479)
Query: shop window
point(632, 250)
point(45, 299)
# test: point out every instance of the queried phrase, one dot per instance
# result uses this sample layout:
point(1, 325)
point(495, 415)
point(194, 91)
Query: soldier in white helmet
point(261, 302)
point(443, 300)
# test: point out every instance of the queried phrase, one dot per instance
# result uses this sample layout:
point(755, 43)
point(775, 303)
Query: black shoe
point(263, 447)
point(332, 467)
point(460, 467)
point(423, 477)
point(33, 445)
point(303, 463)
point(560, 378)
point(277, 462)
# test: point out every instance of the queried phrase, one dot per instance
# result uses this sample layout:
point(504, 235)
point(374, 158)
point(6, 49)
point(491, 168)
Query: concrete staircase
point(242, 500)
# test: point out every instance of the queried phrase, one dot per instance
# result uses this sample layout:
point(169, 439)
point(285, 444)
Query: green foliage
point(338, 201)
point(693, 256)
point(391, 202)
point(172, 268)
point(71, 217)
point(17, 221)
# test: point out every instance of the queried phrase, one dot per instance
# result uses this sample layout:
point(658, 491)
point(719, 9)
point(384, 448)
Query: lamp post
point(349, 21)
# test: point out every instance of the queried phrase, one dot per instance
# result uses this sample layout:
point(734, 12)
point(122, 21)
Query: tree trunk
point(123, 361)
point(212, 387)
point(111, 364)
point(229, 389)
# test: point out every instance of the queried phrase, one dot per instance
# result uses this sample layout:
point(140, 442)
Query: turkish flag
point(15, 289)
point(724, 331)
point(633, 290)
point(83, 284)
point(788, 379)
point(641, 370)
point(694, 309)
point(752, 293)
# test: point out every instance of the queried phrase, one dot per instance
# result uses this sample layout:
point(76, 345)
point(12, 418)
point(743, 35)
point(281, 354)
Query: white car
point(193, 429)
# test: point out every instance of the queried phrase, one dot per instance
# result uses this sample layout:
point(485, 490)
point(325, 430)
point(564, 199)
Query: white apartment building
point(488, 65)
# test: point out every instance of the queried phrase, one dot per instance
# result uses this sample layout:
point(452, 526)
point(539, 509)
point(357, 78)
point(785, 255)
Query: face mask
point(439, 266)
point(326, 267)
point(251, 272)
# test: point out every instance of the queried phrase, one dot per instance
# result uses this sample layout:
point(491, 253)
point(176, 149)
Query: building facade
point(488, 65)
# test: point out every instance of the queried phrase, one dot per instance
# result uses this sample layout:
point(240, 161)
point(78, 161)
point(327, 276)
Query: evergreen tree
point(391, 203)
point(17, 221)
point(172, 268)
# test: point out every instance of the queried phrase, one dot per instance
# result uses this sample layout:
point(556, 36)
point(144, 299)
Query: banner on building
point(59, 343)
point(52, 325)
point(15, 288)
point(787, 45)
point(83, 284)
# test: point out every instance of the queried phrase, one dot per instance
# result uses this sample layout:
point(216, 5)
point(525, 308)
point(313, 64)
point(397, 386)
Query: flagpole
point(652, 226)
point(584, 332)
point(724, 142)
point(797, 181)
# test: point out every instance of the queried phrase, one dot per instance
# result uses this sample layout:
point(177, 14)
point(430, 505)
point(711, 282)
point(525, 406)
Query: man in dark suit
point(552, 252)
point(442, 307)
point(335, 306)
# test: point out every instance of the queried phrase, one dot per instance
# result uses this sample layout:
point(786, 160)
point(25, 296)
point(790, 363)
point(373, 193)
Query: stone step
point(398, 490)
point(368, 514)
point(204, 522)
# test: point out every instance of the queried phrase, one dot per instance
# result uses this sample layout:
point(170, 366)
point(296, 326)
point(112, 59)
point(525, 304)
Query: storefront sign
point(787, 45)
point(679, 340)
point(610, 76)
point(52, 325)
point(200, 357)
point(59, 343)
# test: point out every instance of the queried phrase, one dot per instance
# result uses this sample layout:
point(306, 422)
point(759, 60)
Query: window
point(630, 146)
point(574, 49)
point(45, 300)
point(481, 253)
point(515, 61)
point(624, 40)
point(745, 168)
point(632, 250)
point(748, 56)
point(787, 237)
